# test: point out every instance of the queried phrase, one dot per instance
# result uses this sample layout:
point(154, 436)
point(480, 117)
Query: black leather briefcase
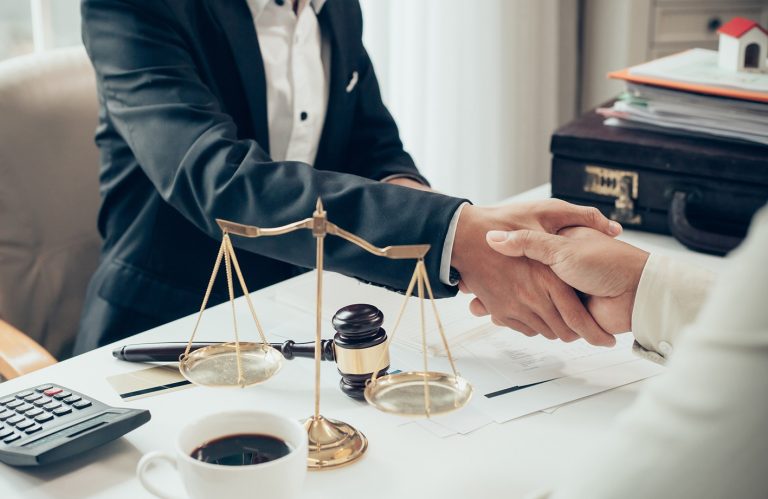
point(702, 191)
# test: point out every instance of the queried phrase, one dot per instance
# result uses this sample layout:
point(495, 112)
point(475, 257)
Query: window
point(35, 25)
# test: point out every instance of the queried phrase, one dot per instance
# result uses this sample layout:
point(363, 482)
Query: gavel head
point(360, 346)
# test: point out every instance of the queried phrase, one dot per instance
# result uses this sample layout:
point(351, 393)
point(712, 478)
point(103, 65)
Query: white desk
point(499, 460)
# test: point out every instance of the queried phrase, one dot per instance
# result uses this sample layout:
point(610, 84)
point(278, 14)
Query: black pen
point(170, 352)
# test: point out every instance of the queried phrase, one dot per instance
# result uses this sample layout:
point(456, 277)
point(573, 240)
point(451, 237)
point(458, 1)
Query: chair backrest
point(49, 196)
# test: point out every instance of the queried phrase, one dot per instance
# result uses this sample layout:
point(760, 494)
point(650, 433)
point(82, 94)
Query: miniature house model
point(743, 46)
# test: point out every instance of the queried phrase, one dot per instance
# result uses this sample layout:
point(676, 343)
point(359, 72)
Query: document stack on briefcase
point(682, 157)
point(702, 191)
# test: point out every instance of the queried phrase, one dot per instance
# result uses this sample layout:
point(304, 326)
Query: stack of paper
point(689, 94)
point(513, 375)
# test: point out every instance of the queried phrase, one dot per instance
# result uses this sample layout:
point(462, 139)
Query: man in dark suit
point(200, 120)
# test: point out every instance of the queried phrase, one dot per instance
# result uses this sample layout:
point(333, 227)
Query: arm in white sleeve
point(669, 297)
point(698, 430)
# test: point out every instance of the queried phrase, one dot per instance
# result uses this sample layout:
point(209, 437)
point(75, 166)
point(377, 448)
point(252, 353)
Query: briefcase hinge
point(620, 184)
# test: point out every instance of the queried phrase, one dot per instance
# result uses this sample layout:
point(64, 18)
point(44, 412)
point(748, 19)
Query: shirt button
point(280, 2)
point(303, 116)
point(665, 348)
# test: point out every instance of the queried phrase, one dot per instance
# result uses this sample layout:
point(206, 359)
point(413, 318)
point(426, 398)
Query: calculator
point(49, 423)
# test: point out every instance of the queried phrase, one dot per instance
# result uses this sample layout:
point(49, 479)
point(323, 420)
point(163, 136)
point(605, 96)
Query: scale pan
point(403, 393)
point(216, 365)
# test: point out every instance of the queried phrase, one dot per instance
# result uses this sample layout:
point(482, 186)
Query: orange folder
point(624, 74)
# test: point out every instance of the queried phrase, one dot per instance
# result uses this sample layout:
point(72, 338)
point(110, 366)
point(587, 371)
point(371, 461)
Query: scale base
point(332, 443)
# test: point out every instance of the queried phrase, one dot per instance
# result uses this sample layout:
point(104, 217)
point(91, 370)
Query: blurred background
point(476, 87)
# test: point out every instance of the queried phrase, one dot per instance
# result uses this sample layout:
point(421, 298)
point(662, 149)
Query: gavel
point(358, 345)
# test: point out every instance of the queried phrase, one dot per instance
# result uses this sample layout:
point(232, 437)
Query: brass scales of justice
point(331, 443)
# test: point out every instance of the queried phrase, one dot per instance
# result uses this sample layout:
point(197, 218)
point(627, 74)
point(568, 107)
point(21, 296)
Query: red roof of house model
point(738, 26)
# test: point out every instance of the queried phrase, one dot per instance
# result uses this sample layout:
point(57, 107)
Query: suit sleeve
point(189, 150)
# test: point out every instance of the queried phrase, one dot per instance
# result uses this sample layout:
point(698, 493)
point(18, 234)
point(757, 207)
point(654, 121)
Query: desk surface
point(499, 460)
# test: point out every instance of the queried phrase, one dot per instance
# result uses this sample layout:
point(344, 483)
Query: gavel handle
point(291, 349)
point(170, 352)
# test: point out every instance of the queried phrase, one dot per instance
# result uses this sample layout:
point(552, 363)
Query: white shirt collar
point(257, 6)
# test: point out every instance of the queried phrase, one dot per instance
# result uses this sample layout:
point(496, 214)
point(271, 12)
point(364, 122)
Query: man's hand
point(605, 269)
point(518, 292)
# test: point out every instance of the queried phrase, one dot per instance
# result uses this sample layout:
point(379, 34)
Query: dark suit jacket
point(184, 140)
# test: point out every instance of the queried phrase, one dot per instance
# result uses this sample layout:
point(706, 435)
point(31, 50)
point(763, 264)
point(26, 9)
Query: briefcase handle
point(690, 236)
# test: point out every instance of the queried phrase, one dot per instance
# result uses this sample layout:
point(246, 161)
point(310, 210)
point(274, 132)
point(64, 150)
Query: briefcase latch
point(619, 184)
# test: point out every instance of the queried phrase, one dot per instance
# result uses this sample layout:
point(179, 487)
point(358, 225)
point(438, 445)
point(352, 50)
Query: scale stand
point(332, 443)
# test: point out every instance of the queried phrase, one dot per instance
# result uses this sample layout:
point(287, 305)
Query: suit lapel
point(236, 22)
point(332, 26)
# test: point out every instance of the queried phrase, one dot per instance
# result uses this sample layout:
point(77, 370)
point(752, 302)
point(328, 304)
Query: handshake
point(549, 268)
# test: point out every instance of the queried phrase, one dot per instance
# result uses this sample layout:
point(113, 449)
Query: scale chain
point(207, 295)
point(247, 295)
point(230, 287)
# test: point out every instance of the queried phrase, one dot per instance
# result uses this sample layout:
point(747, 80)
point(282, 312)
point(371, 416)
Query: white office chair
point(49, 195)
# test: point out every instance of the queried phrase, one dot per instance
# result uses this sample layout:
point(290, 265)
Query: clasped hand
point(525, 262)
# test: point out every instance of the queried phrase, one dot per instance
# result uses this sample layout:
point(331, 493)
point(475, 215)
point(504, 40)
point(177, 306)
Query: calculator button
point(62, 395)
point(42, 401)
point(33, 429)
point(12, 438)
point(33, 396)
point(6, 414)
point(24, 408)
point(51, 405)
point(71, 399)
point(82, 404)
point(62, 410)
point(14, 404)
point(23, 394)
point(6, 433)
point(34, 412)
point(42, 418)
point(25, 424)
point(52, 391)
point(7, 400)
point(43, 388)
point(15, 419)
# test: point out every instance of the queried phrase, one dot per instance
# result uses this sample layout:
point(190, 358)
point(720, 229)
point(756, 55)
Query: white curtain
point(477, 87)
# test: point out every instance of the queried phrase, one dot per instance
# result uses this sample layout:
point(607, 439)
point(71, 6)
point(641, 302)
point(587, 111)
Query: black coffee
point(241, 449)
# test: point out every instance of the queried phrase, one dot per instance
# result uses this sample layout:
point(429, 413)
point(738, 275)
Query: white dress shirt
point(297, 63)
point(293, 51)
point(698, 430)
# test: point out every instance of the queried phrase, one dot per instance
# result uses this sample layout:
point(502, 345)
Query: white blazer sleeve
point(669, 297)
point(698, 430)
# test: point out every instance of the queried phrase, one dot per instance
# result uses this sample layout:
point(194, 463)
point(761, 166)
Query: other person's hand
point(522, 293)
point(606, 269)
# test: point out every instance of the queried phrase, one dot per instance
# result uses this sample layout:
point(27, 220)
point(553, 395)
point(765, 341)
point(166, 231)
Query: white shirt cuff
point(668, 298)
point(445, 262)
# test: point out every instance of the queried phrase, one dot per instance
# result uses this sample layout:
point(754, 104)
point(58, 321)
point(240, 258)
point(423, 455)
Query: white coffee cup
point(281, 478)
